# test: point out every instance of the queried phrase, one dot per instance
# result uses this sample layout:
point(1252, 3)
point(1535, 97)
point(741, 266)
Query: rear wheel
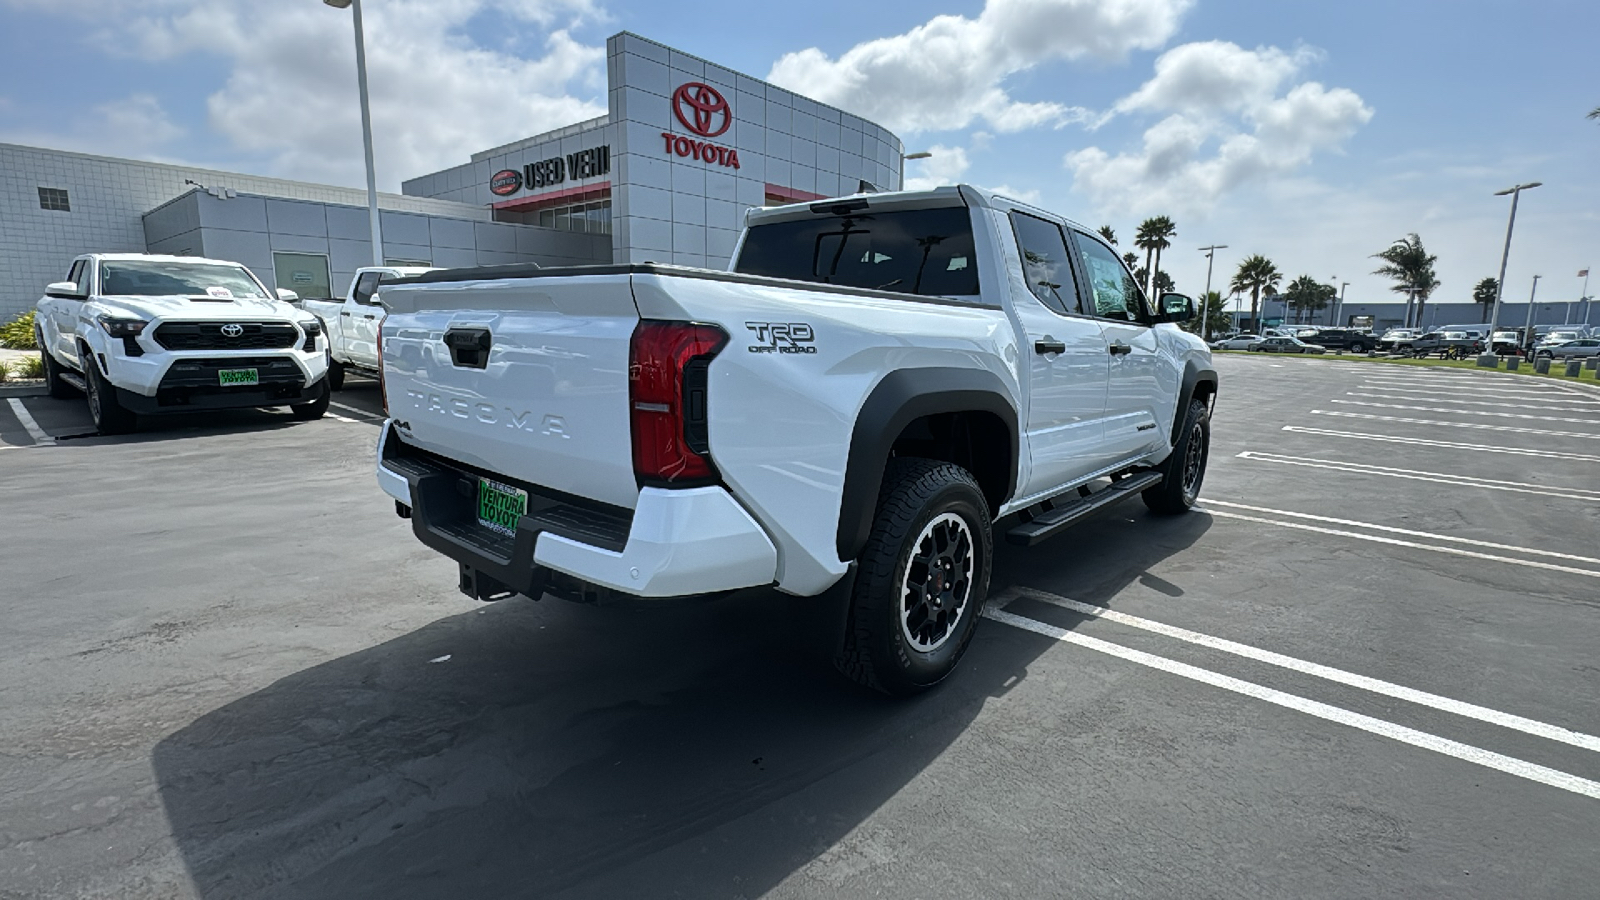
point(58, 386)
point(921, 580)
point(110, 416)
point(1185, 468)
point(317, 408)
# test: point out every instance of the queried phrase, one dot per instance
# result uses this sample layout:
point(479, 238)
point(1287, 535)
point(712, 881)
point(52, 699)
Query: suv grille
point(209, 336)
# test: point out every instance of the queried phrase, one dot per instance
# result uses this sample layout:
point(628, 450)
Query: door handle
point(1118, 348)
point(369, 317)
point(1048, 344)
point(345, 314)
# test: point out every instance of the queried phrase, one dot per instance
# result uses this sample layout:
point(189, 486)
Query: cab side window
point(79, 275)
point(1046, 262)
point(1116, 294)
point(366, 286)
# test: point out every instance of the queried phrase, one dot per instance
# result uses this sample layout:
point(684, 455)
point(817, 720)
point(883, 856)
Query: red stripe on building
point(790, 195)
point(563, 197)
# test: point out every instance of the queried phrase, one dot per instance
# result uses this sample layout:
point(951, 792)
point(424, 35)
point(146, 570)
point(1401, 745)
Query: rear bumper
point(675, 543)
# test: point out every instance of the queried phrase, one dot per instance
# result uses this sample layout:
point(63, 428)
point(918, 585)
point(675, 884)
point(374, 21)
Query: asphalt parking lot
point(1366, 669)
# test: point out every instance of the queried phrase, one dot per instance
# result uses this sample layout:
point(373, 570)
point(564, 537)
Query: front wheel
point(110, 416)
point(317, 408)
point(1185, 468)
point(921, 579)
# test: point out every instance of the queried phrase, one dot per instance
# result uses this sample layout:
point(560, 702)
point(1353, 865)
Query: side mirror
point(66, 290)
point(1176, 308)
point(287, 295)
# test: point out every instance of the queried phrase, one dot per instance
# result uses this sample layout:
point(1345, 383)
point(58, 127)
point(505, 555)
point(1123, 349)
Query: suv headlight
point(120, 328)
point(312, 327)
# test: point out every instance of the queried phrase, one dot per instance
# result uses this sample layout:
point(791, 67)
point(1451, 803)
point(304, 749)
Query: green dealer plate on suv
point(500, 505)
point(236, 377)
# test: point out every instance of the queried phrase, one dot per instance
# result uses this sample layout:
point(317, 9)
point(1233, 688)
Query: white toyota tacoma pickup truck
point(878, 384)
point(351, 323)
point(142, 334)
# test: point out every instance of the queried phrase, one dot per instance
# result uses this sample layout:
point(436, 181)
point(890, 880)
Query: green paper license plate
point(235, 377)
point(500, 505)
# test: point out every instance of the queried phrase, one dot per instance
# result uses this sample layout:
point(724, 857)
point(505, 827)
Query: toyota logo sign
point(698, 105)
point(232, 329)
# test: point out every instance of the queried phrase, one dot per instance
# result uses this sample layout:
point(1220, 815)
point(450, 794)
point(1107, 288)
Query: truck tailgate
point(525, 379)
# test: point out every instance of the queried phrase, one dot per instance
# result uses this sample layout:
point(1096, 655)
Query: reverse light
point(667, 380)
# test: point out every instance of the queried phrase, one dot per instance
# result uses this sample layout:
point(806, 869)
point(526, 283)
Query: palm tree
point(1131, 259)
point(1153, 237)
point(1108, 234)
point(1483, 295)
point(1408, 263)
point(1595, 113)
point(1256, 273)
point(1306, 294)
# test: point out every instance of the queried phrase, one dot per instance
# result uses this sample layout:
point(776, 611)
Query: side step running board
point(1051, 522)
point(76, 380)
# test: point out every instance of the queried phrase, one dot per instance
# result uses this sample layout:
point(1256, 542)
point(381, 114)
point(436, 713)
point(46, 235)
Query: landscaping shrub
point(17, 334)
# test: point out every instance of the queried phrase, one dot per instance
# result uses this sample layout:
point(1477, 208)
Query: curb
point(32, 389)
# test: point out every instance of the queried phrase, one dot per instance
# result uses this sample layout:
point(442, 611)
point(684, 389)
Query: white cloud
point(436, 94)
point(1229, 122)
point(139, 122)
point(946, 166)
point(947, 73)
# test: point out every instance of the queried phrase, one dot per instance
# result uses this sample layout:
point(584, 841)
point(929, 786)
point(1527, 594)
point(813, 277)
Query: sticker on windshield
point(221, 293)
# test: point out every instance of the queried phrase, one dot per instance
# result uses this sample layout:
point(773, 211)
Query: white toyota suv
point(142, 334)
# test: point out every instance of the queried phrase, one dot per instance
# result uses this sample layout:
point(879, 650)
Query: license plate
point(500, 505)
point(235, 377)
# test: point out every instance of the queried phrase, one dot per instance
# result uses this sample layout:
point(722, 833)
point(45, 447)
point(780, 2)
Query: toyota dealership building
point(686, 147)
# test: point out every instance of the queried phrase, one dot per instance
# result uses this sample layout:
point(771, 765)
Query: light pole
point(1338, 306)
point(1527, 329)
point(1584, 299)
point(366, 126)
point(1500, 285)
point(1206, 298)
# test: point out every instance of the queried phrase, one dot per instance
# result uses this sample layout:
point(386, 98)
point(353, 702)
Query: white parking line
point(1497, 393)
point(1475, 425)
point(1424, 442)
point(1379, 539)
point(1470, 412)
point(1327, 712)
point(369, 417)
point(1406, 531)
point(1415, 475)
point(39, 435)
point(1493, 402)
point(1328, 673)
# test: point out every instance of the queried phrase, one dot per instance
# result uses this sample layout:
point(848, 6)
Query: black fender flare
point(1194, 375)
point(900, 398)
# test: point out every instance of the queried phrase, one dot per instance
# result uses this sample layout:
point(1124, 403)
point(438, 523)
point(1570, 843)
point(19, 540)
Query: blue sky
point(1312, 133)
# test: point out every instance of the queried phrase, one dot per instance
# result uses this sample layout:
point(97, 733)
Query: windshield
point(154, 278)
point(921, 251)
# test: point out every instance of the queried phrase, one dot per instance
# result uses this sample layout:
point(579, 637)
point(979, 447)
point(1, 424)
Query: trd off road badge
point(782, 337)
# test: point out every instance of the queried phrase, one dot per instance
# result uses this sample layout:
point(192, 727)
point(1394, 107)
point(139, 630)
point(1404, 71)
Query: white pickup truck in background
point(140, 334)
point(351, 323)
point(879, 383)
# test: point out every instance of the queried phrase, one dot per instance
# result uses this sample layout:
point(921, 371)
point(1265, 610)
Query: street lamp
point(1206, 298)
point(920, 154)
point(1527, 328)
point(1338, 307)
point(1500, 285)
point(366, 126)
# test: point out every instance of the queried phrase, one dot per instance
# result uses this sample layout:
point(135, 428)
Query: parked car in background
point(1396, 340)
point(1555, 338)
point(142, 334)
point(1347, 339)
point(1285, 345)
point(351, 324)
point(1505, 343)
point(1445, 343)
point(1235, 342)
point(1582, 348)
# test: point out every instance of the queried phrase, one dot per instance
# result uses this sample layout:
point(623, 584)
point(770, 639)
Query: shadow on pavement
point(558, 746)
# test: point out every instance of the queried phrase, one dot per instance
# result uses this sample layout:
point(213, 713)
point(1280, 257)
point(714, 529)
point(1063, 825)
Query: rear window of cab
point(915, 251)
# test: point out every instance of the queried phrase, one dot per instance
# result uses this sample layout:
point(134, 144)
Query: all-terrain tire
point(317, 408)
point(58, 386)
point(921, 580)
point(110, 416)
point(1185, 468)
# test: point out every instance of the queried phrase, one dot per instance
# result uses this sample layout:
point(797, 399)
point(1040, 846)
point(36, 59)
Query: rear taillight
point(383, 383)
point(667, 376)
